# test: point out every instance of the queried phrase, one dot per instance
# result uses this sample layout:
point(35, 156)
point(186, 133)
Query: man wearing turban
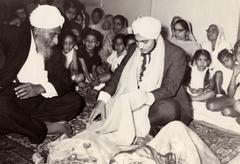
point(36, 93)
point(145, 92)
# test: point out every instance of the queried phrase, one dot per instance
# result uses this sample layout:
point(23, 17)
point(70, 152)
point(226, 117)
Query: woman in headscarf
point(182, 36)
point(215, 44)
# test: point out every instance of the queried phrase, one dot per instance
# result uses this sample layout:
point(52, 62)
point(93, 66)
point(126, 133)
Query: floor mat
point(12, 152)
point(17, 148)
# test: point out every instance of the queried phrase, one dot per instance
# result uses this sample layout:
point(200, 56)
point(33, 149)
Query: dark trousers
point(164, 111)
point(27, 116)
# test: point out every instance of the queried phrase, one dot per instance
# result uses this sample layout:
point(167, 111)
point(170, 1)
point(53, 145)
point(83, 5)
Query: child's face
point(179, 32)
point(96, 17)
point(237, 54)
point(68, 44)
point(119, 46)
point(106, 25)
point(117, 25)
point(79, 19)
point(227, 62)
point(129, 42)
point(212, 33)
point(70, 13)
point(90, 43)
point(202, 62)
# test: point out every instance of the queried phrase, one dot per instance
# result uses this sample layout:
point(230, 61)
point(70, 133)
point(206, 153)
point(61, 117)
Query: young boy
point(228, 103)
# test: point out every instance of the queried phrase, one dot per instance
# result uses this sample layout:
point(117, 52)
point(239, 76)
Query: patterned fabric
point(225, 145)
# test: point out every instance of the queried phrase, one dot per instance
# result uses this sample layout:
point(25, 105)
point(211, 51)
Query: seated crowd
point(145, 80)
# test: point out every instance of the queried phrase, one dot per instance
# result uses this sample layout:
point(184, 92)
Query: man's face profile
point(145, 45)
point(45, 39)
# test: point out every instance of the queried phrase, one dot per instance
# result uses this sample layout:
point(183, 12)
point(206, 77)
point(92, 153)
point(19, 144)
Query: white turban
point(147, 27)
point(46, 17)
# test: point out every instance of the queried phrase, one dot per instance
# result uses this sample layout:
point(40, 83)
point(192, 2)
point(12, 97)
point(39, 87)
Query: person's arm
point(84, 67)
point(232, 86)
point(174, 74)
point(74, 64)
point(94, 72)
point(204, 96)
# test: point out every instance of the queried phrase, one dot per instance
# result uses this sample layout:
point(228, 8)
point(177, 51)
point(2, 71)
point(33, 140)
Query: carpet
point(14, 147)
point(12, 152)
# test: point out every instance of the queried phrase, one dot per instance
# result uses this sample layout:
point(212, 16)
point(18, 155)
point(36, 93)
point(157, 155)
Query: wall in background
point(129, 8)
point(201, 13)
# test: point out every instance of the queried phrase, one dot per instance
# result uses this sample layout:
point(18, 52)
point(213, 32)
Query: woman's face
point(179, 32)
point(117, 25)
point(70, 14)
point(202, 62)
point(68, 44)
point(212, 33)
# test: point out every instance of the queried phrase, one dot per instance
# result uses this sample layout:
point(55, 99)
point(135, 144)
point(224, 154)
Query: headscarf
point(190, 36)
point(221, 44)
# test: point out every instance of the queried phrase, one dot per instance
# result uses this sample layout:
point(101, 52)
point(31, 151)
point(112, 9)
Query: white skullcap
point(46, 17)
point(146, 26)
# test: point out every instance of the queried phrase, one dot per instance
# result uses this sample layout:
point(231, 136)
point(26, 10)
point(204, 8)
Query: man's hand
point(99, 109)
point(28, 90)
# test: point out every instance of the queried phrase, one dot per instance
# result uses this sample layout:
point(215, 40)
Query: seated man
point(153, 68)
point(36, 92)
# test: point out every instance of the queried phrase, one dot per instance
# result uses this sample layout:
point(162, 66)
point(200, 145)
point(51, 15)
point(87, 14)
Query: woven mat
point(225, 145)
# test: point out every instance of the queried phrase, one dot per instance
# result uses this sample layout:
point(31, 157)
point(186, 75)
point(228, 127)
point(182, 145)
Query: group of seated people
point(213, 67)
point(148, 80)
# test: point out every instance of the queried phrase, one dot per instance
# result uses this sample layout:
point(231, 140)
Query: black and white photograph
point(119, 81)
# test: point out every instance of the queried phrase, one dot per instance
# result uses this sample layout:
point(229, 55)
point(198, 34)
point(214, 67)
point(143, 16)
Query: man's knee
point(164, 111)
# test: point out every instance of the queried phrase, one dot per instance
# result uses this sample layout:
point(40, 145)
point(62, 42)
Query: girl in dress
point(200, 87)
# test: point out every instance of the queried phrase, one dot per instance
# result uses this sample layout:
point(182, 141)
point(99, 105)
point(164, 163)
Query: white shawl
point(127, 112)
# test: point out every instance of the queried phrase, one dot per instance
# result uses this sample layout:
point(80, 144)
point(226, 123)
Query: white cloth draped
point(69, 58)
point(174, 138)
point(33, 71)
point(127, 113)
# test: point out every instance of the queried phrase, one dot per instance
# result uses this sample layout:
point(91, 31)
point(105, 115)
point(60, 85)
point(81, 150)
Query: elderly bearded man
point(36, 92)
point(145, 92)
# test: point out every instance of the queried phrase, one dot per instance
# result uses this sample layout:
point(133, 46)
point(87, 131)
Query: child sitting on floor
point(68, 41)
point(119, 52)
point(200, 86)
point(228, 104)
point(88, 60)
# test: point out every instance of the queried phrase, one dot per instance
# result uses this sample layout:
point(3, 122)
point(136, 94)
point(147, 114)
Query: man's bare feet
point(58, 128)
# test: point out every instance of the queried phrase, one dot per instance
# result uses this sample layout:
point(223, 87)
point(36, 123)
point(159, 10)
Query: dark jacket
point(174, 69)
point(15, 45)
